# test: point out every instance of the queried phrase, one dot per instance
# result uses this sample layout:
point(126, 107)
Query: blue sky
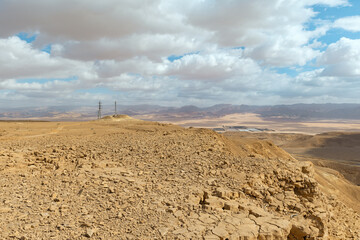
point(29, 38)
point(331, 14)
point(179, 52)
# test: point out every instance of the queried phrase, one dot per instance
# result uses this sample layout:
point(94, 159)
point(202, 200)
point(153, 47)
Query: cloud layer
point(175, 52)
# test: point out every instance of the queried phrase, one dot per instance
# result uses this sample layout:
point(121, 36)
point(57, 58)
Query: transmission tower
point(99, 111)
point(115, 109)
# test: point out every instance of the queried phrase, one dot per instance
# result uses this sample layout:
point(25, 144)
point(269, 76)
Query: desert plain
point(252, 120)
point(122, 178)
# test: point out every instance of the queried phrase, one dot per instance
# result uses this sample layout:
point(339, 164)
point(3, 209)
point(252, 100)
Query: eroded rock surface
point(142, 180)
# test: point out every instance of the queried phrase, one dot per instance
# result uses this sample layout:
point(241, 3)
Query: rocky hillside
point(141, 180)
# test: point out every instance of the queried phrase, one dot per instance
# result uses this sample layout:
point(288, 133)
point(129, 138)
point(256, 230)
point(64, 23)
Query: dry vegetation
point(121, 178)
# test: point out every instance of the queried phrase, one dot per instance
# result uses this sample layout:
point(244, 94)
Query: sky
point(179, 52)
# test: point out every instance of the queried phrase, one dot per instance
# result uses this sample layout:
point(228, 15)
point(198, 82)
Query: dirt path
point(54, 131)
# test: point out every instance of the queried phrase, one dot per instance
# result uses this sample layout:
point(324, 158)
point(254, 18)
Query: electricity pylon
point(99, 111)
point(115, 109)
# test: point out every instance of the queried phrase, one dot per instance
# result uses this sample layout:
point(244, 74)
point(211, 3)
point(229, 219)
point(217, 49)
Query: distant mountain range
point(155, 112)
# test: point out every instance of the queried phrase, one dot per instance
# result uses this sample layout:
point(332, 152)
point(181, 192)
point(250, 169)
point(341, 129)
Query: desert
point(198, 119)
point(122, 178)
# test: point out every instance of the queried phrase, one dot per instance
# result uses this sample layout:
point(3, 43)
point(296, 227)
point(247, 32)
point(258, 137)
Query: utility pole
point(115, 109)
point(99, 111)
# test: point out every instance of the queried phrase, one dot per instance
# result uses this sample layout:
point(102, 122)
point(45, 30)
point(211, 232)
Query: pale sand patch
point(231, 119)
point(335, 125)
point(252, 120)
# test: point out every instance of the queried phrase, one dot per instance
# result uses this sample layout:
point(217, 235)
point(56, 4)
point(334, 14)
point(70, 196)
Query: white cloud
point(351, 23)
point(228, 49)
point(204, 66)
point(212, 66)
point(83, 20)
point(108, 69)
point(153, 46)
point(18, 59)
point(272, 31)
point(89, 30)
point(124, 29)
point(277, 54)
point(342, 58)
point(331, 3)
point(55, 85)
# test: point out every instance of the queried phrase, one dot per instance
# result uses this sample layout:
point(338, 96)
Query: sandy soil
point(127, 179)
point(254, 120)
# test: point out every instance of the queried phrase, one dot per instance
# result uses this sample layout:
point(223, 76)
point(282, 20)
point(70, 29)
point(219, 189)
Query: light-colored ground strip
point(279, 125)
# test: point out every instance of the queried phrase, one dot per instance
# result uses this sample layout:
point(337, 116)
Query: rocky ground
point(336, 150)
point(142, 180)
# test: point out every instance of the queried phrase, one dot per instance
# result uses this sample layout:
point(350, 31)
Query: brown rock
point(90, 232)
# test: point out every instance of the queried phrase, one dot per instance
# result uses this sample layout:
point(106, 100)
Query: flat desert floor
point(255, 121)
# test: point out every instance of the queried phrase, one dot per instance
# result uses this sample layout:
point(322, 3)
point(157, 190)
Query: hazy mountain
point(286, 112)
point(312, 111)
